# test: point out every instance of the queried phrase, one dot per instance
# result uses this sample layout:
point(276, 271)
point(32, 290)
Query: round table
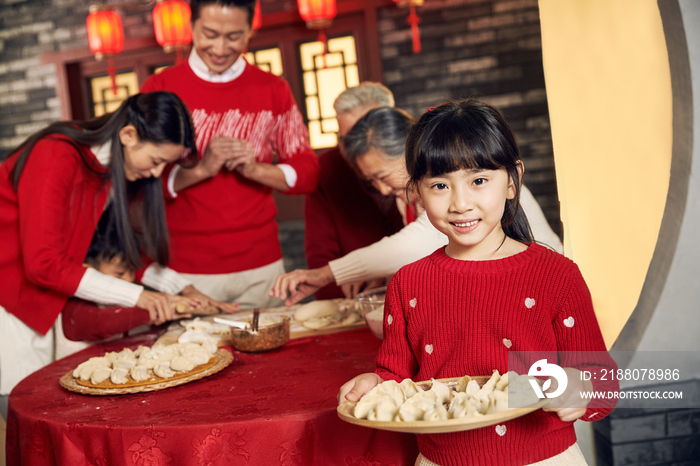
point(264, 409)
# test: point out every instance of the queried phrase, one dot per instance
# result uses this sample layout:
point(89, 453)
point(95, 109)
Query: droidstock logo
point(543, 368)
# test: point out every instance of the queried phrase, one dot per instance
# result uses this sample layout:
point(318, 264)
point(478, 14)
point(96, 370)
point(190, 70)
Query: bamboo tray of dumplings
point(221, 359)
point(346, 409)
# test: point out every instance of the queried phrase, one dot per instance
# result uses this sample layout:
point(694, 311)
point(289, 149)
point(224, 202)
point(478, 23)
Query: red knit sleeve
point(290, 139)
point(85, 321)
point(395, 360)
point(580, 342)
point(45, 197)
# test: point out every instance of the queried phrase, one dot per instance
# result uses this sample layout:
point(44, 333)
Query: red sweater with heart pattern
point(448, 318)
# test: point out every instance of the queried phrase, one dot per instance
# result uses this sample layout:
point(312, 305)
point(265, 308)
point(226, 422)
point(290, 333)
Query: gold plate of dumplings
point(219, 361)
point(347, 408)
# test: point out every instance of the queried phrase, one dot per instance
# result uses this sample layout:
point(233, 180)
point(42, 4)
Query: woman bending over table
point(376, 146)
point(53, 191)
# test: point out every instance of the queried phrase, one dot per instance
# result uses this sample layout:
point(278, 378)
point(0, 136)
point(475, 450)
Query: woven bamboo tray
point(346, 409)
point(221, 359)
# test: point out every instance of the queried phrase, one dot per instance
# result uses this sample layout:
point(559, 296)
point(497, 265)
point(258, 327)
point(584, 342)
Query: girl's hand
point(161, 306)
point(300, 283)
point(359, 386)
point(570, 406)
point(204, 301)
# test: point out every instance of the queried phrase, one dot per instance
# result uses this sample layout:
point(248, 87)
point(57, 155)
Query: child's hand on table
point(204, 301)
point(354, 389)
point(569, 406)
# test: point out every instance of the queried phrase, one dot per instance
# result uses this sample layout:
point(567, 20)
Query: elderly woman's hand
point(297, 285)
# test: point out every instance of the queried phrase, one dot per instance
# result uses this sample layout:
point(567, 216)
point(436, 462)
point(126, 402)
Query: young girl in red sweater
point(491, 290)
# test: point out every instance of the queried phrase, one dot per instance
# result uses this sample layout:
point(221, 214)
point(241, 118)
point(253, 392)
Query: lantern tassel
point(178, 56)
point(414, 21)
point(324, 40)
point(112, 71)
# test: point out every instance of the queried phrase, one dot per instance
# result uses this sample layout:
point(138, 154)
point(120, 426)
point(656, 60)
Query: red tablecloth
point(264, 409)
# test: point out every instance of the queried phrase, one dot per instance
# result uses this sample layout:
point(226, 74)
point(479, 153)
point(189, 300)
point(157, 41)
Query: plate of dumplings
point(443, 405)
point(146, 369)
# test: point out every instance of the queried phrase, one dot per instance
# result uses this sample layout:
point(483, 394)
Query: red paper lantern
point(171, 22)
point(317, 14)
point(413, 20)
point(105, 32)
point(257, 17)
point(106, 38)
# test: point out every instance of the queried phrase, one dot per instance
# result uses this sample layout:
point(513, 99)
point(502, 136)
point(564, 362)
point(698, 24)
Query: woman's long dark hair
point(159, 117)
point(468, 134)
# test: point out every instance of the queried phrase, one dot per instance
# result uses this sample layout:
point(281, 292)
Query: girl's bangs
point(445, 153)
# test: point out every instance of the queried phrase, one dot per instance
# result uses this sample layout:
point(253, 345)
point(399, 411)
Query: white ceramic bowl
point(372, 306)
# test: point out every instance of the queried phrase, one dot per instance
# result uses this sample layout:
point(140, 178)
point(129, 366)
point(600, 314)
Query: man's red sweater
point(343, 214)
point(227, 223)
point(448, 318)
point(46, 227)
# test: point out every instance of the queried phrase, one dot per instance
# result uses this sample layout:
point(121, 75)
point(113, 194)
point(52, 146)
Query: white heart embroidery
point(569, 322)
point(529, 303)
point(390, 319)
point(507, 342)
point(501, 430)
point(413, 302)
point(429, 349)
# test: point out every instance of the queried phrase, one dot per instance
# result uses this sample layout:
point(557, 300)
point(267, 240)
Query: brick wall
point(485, 48)
point(27, 88)
point(658, 437)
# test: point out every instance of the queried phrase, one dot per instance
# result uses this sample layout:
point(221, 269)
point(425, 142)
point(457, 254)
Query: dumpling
point(502, 383)
point(182, 364)
point(125, 364)
point(100, 374)
point(319, 308)
point(498, 402)
point(437, 412)
point(385, 410)
point(96, 362)
point(392, 389)
point(199, 356)
point(148, 359)
point(365, 405)
point(441, 390)
point(483, 393)
point(87, 371)
point(423, 400)
point(462, 384)
point(409, 388)
point(139, 373)
point(118, 376)
point(126, 355)
point(472, 388)
point(409, 412)
point(163, 371)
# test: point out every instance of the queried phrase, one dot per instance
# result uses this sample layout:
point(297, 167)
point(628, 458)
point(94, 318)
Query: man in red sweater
point(222, 227)
point(345, 213)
